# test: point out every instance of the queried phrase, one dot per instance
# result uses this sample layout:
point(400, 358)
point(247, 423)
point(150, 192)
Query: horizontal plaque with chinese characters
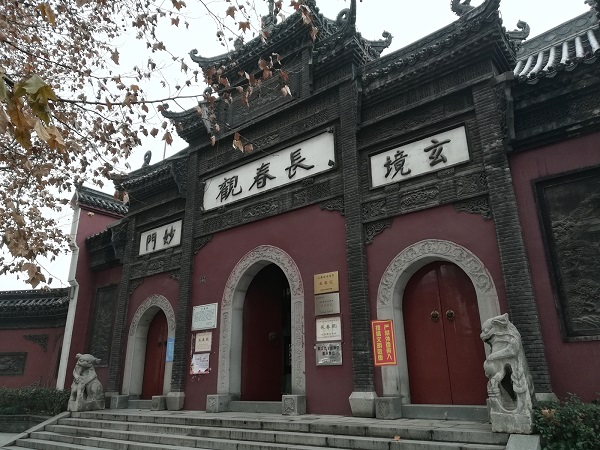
point(204, 317)
point(434, 153)
point(328, 354)
point(160, 238)
point(326, 282)
point(305, 159)
point(327, 304)
point(329, 329)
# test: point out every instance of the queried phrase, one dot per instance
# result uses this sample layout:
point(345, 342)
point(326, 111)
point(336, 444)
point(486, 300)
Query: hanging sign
point(384, 345)
point(204, 317)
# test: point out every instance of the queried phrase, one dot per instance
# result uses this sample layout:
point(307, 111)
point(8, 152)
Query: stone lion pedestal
point(86, 391)
point(510, 387)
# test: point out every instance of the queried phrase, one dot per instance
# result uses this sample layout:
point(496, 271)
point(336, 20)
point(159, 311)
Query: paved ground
point(5, 437)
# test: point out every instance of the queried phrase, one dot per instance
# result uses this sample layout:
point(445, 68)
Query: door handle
point(450, 314)
point(435, 316)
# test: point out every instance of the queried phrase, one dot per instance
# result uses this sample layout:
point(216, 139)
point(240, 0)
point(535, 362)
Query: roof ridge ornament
point(461, 8)
point(347, 16)
point(518, 36)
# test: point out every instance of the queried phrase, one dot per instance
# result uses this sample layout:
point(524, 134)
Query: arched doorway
point(266, 346)
point(390, 299)
point(441, 324)
point(231, 336)
point(138, 341)
point(154, 361)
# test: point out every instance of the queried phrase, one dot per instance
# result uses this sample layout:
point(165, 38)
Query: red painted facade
point(574, 366)
point(91, 221)
point(471, 231)
point(315, 240)
point(41, 365)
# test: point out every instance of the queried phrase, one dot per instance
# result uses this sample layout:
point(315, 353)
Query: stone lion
point(510, 387)
point(86, 391)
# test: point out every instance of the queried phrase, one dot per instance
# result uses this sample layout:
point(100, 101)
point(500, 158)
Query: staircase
point(181, 430)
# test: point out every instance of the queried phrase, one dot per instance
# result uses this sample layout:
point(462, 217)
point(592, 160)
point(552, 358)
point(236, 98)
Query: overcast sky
point(407, 21)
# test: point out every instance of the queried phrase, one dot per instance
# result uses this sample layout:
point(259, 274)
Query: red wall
point(471, 231)
point(90, 223)
point(574, 366)
point(40, 366)
point(315, 240)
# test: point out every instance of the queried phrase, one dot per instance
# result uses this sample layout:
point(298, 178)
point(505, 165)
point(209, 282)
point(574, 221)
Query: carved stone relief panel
point(334, 204)
point(375, 228)
point(39, 339)
point(374, 209)
point(12, 363)
point(102, 323)
point(221, 221)
point(475, 183)
point(311, 194)
point(156, 264)
point(260, 210)
point(570, 212)
point(201, 242)
point(419, 199)
point(479, 205)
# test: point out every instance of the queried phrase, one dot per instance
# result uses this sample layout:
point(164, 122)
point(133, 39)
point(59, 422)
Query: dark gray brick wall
point(118, 346)
point(515, 266)
point(362, 358)
point(182, 316)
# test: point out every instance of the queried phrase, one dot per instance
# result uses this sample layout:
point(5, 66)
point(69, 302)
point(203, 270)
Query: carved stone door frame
point(390, 295)
point(136, 344)
point(232, 308)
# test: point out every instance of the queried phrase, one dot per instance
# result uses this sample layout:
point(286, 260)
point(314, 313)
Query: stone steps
point(141, 430)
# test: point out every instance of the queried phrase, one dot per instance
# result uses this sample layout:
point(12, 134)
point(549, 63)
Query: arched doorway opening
point(266, 345)
point(152, 313)
point(231, 335)
point(154, 361)
point(443, 350)
point(391, 292)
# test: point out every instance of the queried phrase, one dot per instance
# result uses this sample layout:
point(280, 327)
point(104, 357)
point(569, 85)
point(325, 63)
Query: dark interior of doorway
point(154, 363)
point(267, 344)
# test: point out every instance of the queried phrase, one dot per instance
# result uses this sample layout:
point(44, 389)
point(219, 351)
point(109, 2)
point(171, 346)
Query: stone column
point(119, 343)
point(362, 400)
point(492, 111)
point(176, 397)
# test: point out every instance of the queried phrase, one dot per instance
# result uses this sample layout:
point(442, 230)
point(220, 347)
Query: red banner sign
point(384, 345)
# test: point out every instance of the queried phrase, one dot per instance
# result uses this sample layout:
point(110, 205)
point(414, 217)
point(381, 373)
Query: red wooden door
point(445, 354)
point(156, 350)
point(263, 336)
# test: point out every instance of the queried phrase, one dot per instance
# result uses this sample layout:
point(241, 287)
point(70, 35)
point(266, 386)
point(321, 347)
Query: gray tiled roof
point(558, 49)
point(99, 200)
point(33, 300)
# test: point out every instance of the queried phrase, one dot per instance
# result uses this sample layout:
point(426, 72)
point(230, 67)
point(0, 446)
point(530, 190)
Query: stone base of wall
point(19, 423)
